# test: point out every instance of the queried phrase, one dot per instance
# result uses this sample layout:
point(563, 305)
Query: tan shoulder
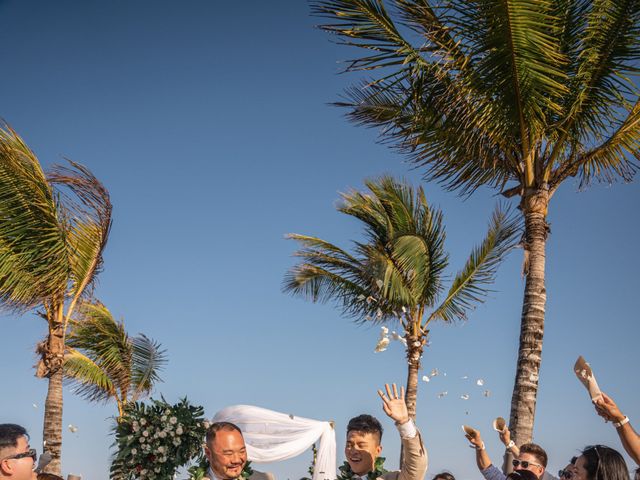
point(262, 476)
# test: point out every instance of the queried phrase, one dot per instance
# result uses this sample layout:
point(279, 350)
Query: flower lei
point(378, 470)
point(199, 471)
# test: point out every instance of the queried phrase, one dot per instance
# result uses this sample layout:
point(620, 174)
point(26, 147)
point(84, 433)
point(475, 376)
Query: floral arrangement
point(155, 439)
point(378, 470)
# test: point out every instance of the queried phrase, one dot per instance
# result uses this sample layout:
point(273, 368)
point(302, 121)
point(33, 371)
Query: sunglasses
point(29, 453)
point(524, 463)
point(568, 474)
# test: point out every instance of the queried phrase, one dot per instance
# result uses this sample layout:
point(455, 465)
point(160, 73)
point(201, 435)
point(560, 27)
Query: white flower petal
point(425, 379)
point(464, 396)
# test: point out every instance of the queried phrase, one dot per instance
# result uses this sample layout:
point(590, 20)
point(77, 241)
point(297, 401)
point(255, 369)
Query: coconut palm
point(53, 229)
point(397, 273)
point(518, 95)
point(103, 362)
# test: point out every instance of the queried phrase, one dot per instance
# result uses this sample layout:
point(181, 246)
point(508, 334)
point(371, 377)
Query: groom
point(364, 434)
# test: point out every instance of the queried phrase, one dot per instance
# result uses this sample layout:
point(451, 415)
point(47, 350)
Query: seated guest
point(227, 453)
point(530, 457)
point(600, 463)
point(17, 458)
point(364, 435)
point(607, 409)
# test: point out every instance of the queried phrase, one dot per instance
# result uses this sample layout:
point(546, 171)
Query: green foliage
point(103, 362)
point(154, 440)
point(378, 470)
point(399, 270)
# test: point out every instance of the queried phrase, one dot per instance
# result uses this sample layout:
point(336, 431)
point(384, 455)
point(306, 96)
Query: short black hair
point(444, 476)
point(10, 433)
point(537, 451)
point(522, 475)
point(366, 424)
point(216, 427)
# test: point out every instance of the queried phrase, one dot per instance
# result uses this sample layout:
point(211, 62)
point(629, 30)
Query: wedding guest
point(530, 457)
point(227, 454)
point(364, 435)
point(607, 409)
point(599, 462)
point(17, 458)
point(444, 476)
point(505, 438)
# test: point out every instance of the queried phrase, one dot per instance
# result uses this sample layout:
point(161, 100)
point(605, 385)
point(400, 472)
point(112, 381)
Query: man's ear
point(378, 450)
point(5, 468)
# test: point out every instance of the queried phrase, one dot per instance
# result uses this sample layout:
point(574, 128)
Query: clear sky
point(209, 124)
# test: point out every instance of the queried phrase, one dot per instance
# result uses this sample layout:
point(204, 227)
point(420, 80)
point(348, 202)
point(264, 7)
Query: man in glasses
point(17, 458)
point(530, 457)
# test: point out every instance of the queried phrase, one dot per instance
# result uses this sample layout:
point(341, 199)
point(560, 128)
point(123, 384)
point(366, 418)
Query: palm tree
point(103, 363)
point(397, 274)
point(518, 95)
point(53, 229)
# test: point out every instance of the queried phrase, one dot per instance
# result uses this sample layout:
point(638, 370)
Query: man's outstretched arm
point(415, 459)
point(607, 409)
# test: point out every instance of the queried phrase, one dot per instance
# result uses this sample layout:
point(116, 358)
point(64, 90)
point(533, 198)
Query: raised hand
point(474, 437)
point(608, 409)
point(505, 436)
point(393, 404)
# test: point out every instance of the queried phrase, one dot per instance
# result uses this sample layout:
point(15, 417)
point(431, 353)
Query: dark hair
point(522, 475)
point(537, 451)
point(217, 426)
point(48, 476)
point(604, 463)
point(366, 424)
point(444, 476)
point(10, 433)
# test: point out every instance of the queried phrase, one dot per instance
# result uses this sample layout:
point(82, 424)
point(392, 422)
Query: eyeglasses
point(524, 463)
point(29, 453)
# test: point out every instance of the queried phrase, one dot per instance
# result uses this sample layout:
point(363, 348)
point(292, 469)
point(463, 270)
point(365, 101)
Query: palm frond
point(469, 286)
point(88, 379)
point(147, 361)
point(33, 253)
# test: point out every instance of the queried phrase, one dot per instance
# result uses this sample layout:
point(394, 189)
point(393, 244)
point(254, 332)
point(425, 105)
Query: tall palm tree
point(518, 95)
point(397, 274)
point(103, 362)
point(53, 229)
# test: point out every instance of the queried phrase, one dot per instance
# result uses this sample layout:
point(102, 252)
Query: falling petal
point(384, 331)
point(404, 309)
point(464, 396)
point(379, 283)
point(382, 345)
point(361, 298)
point(480, 382)
point(466, 413)
point(444, 374)
point(464, 377)
point(443, 394)
point(486, 393)
point(425, 379)
point(434, 372)
point(34, 405)
point(73, 428)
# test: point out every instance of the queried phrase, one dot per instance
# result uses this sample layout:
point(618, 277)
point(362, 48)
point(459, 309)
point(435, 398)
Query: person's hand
point(475, 439)
point(394, 405)
point(505, 436)
point(608, 409)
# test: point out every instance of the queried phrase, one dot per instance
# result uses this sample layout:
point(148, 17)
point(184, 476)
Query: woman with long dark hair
point(599, 462)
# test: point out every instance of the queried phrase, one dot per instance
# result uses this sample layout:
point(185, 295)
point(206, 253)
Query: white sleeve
point(407, 429)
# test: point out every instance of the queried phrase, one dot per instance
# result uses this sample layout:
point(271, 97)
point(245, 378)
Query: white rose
point(143, 471)
point(173, 434)
point(133, 451)
point(162, 434)
point(162, 459)
point(145, 433)
point(143, 421)
point(163, 418)
point(173, 420)
point(206, 424)
point(136, 428)
point(141, 440)
point(157, 469)
point(179, 430)
point(161, 449)
point(177, 442)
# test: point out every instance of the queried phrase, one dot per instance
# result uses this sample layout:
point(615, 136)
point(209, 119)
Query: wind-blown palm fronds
point(53, 230)
point(397, 274)
point(104, 363)
point(519, 95)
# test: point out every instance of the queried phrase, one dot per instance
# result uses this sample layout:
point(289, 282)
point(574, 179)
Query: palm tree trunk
point(414, 352)
point(52, 430)
point(523, 401)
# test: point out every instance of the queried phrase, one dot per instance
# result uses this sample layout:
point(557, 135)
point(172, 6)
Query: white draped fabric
point(273, 436)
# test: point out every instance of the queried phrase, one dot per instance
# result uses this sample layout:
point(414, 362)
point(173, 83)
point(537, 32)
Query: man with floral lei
point(363, 447)
point(227, 455)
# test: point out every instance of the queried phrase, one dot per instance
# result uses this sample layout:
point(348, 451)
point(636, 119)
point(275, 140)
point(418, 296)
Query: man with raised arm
point(363, 445)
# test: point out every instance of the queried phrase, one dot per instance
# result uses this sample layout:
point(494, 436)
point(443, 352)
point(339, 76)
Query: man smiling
point(364, 435)
point(17, 458)
point(227, 453)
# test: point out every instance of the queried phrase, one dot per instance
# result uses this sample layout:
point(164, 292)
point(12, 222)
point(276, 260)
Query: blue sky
point(209, 124)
